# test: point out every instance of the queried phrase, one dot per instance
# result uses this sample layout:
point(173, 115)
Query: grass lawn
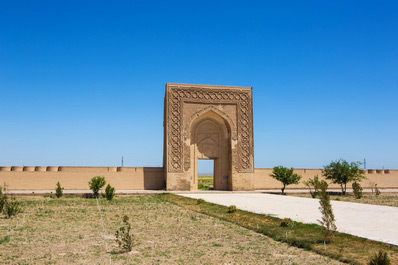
point(70, 231)
point(386, 199)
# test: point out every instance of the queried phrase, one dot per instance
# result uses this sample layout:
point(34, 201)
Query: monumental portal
point(208, 122)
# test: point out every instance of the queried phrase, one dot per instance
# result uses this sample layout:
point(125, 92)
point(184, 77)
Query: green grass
point(344, 247)
point(205, 182)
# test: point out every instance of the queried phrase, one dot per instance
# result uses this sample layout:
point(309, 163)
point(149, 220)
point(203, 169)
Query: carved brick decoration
point(179, 94)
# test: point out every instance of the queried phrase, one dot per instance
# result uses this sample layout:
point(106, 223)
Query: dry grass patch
point(69, 231)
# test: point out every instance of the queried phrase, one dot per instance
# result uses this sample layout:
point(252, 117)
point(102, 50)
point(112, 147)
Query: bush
point(200, 201)
point(123, 236)
point(5, 239)
point(380, 258)
point(95, 184)
point(313, 184)
point(357, 189)
point(232, 209)
point(377, 191)
point(109, 192)
point(11, 207)
point(286, 222)
point(59, 191)
point(3, 199)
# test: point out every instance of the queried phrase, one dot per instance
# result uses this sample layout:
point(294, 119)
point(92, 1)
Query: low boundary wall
point(152, 178)
point(77, 178)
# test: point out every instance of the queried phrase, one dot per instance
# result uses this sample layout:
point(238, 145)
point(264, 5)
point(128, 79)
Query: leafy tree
point(286, 176)
point(313, 184)
point(96, 183)
point(341, 172)
point(325, 207)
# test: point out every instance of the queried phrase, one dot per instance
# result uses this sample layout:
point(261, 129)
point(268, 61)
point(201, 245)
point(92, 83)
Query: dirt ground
point(70, 231)
point(386, 199)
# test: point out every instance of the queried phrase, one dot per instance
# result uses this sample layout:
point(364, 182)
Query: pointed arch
point(230, 124)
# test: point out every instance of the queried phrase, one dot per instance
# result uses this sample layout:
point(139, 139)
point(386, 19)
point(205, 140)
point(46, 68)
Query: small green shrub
point(95, 184)
point(338, 199)
point(380, 258)
point(377, 191)
point(123, 236)
point(4, 240)
point(3, 199)
point(286, 222)
point(313, 185)
point(59, 191)
point(232, 209)
point(200, 201)
point(11, 207)
point(109, 192)
point(357, 189)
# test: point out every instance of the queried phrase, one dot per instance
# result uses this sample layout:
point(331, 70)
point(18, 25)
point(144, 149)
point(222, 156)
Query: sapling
point(357, 189)
point(109, 192)
point(313, 184)
point(59, 191)
point(123, 236)
point(327, 219)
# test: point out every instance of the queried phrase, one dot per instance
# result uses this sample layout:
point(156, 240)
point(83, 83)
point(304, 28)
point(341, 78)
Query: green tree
point(96, 183)
point(341, 172)
point(286, 176)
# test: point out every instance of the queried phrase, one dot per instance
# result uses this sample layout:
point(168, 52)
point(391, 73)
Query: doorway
point(205, 174)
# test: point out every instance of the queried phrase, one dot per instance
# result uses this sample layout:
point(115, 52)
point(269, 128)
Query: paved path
point(375, 222)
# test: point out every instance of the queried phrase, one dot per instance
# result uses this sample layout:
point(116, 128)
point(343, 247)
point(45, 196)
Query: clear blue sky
point(82, 82)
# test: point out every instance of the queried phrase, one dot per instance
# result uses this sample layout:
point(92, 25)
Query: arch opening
point(211, 140)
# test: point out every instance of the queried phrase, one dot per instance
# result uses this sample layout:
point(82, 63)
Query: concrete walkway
point(378, 223)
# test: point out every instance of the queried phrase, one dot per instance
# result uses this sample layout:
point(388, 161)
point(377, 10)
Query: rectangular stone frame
point(242, 156)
